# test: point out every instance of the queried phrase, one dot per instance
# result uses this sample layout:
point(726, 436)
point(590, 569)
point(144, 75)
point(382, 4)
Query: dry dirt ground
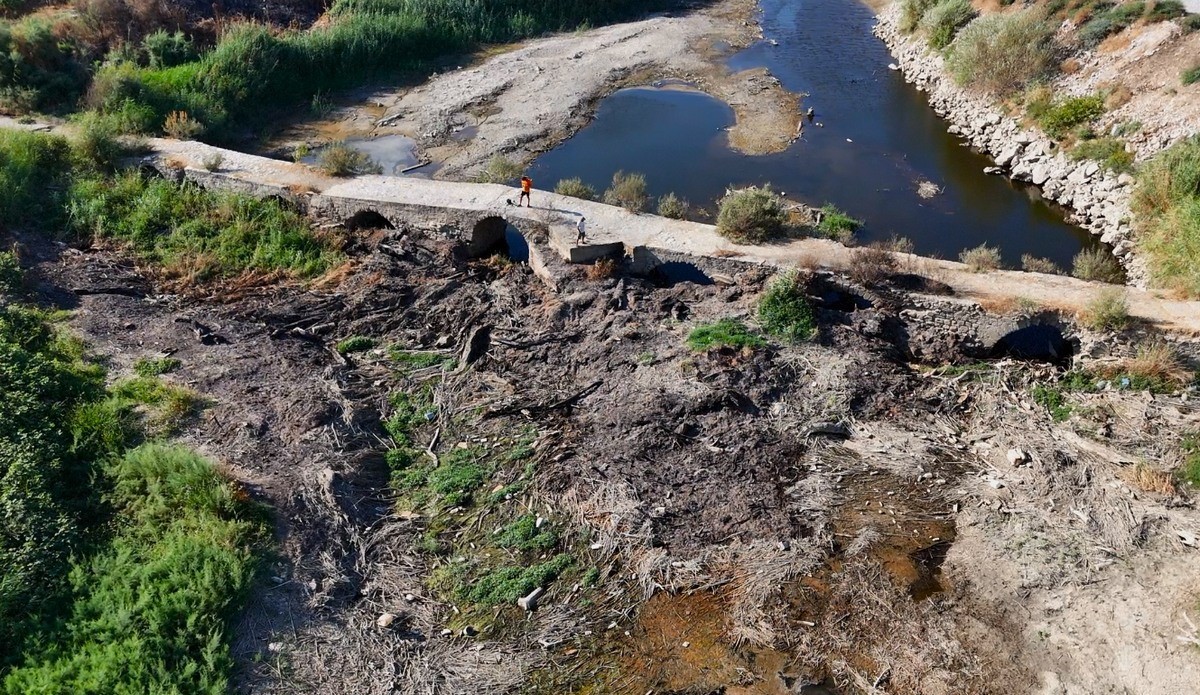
point(841, 512)
point(524, 100)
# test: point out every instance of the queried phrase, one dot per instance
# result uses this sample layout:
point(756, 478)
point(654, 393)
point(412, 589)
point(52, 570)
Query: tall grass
point(34, 169)
point(253, 67)
point(942, 22)
point(1167, 202)
point(1004, 53)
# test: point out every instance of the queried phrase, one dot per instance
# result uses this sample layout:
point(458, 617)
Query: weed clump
point(1003, 53)
point(356, 343)
point(1061, 117)
point(575, 188)
point(1109, 152)
point(168, 406)
point(499, 169)
point(872, 265)
point(1167, 201)
point(155, 366)
point(752, 215)
point(837, 225)
point(1097, 265)
point(627, 191)
point(339, 159)
point(982, 258)
point(724, 333)
point(507, 584)
point(673, 207)
point(784, 310)
point(524, 535)
point(1035, 264)
point(1191, 75)
point(942, 22)
point(1108, 311)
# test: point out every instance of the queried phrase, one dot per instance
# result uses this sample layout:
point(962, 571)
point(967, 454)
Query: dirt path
point(528, 99)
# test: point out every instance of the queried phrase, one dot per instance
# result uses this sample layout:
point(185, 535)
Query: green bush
point(911, 13)
point(837, 225)
point(575, 188)
point(356, 343)
point(500, 169)
point(673, 207)
point(982, 258)
point(1060, 118)
point(1190, 23)
point(194, 233)
point(339, 159)
point(1004, 53)
point(627, 191)
point(1098, 265)
point(166, 50)
point(1109, 152)
point(34, 170)
point(43, 67)
point(784, 310)
point(1109, 310)
point(1034, 264)
point(724, 333)
point(10, 272)
point(942, 22)
point(1191, 75)
point(752, 215)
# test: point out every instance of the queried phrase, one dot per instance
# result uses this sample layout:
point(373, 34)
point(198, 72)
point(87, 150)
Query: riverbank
point(1099, 199)
point(525, 101)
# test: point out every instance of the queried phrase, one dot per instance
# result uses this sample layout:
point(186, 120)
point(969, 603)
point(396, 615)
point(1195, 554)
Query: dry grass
point(1070, 66)
point(1157, 361)
point(1148, 479)
point(602, 269)
point(1118, 96)
point(981, 259)
point(1109, 310)
point(872, 265)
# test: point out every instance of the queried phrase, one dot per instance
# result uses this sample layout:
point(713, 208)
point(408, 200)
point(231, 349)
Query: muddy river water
point(872, 141)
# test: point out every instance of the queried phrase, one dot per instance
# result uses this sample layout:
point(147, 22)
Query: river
point(873, 140)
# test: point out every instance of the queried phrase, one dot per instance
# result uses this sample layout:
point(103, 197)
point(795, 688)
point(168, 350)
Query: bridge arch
point(367, 219)
point(487, 236)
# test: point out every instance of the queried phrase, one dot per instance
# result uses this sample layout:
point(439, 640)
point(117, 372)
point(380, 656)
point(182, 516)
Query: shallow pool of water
point(393, 153)
point(877, 141)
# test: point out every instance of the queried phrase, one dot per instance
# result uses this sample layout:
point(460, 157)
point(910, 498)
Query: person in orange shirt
point(526, 187)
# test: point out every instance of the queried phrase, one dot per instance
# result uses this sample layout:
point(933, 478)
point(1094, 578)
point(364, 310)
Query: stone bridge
point(479, 215)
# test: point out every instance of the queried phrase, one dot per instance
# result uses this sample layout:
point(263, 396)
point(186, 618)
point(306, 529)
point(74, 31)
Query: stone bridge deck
point(474, 209)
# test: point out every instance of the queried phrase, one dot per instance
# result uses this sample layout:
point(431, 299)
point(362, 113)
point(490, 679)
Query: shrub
point(181, 126)
point(1109, 152)
point(752, 215)
point(837, 225)
point(673, 207)
point(339, 159)
point(784, 310)
point(872, 265)
point(1162, 10)
point(627, 191)
point(1098, 265)
point(1003, 53)
point(1060, 118)
point(356, 343)
point(911, 13)
point(943, 21)
point(982, 258)
point(213, 162)
point(1190, 23)
point(10, 272)
point(499, 169)
point(97, 142)
point(34, 168)
point(1034, 264)
point(1109, 310)
point(724, 333)
point(165, 50)
point(575, 188)
point(1191, 75)
point(602, 269)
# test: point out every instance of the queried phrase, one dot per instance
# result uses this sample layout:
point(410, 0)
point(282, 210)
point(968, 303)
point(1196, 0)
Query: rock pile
point(1099, 199)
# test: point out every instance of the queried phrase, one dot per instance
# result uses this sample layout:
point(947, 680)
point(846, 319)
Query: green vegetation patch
point(169, 406)
point(1004, 53)
point(1167, 203)
point(942, 22)
point(356, 343)
point(1062, 116)
point(1190, 76)
point(155, 366)
point(837, 225)
point(1053, 400)
point(1110, 19)
point(724, 333)
point(1189, 472)
point(506, 584)
point(752, 216)
point(784, 309)
point(575, 188)
point(1109, 152)
point(524, 535)
point(628, 190)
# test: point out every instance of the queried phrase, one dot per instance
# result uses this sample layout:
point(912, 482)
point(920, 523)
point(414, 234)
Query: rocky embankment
point(1099, 199)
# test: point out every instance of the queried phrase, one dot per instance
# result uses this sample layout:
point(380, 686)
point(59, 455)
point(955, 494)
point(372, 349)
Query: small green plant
point(1097, 265)
point(458, 475)
point(169, 406)
point(837, 225)
point(1189, 472)
point(627, 191)
point(10, 272)
point(339, 159)
point(673, 207)
point(575, 188)
point(411, 361)
point(524, 535)
point(1035, 264)
point(911, 12)
point(300, 152)
point(752, 215)
point(321, 105)
point(1054, 401)
point(1061, 117)
point(1190, 23)
point(356, 343)
point(166, 50)
point(1108, 311)
point(724, 333)
point(155, 366)
point(982, 258)
point(500, 169)
point(590, 578)
point(1191, 75)
point(507, 584)
point(181, 126)
point(1110, 152)
point(784, 310)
